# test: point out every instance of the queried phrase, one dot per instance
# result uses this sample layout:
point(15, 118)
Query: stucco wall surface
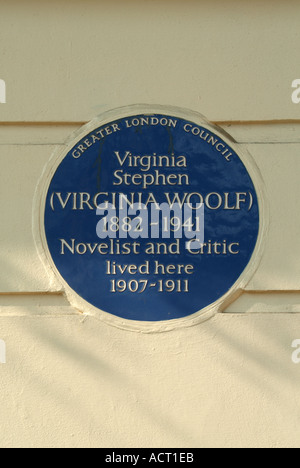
point(74, 381)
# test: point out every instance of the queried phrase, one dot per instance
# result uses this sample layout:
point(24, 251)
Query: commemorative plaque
point(151, 216)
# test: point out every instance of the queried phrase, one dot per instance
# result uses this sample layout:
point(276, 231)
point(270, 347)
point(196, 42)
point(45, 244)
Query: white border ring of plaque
point(87, 308)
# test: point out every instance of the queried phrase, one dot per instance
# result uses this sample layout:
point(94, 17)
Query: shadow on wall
point(93, 383)
point(121, 387)
point(167, 386)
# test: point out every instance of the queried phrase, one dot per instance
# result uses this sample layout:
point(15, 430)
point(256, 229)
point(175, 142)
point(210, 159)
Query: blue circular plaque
point(151, 216)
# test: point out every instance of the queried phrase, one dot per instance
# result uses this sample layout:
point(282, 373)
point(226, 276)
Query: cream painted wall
point(70, 60)
point(73, 381)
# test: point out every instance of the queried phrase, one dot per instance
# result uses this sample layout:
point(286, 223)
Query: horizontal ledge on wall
point(41, 124)
point(257, 122)
point(23, 304)
point(62, 123)
point(56, 133)
point(254, 302)
point(266, 302)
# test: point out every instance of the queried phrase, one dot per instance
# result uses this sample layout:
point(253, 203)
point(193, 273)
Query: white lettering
point(2, 352)
point(296, 93)
point(2, 92)
point(296, 354)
